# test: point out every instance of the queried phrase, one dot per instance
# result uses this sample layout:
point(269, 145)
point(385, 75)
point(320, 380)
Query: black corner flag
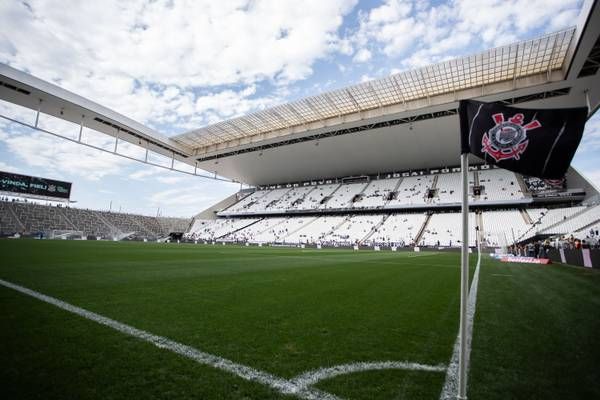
point(538, 143)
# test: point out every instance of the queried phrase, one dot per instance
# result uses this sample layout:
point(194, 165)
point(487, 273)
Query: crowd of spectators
point(540, 248)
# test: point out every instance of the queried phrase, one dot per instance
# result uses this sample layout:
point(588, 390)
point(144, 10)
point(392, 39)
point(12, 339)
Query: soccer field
point(288, 314)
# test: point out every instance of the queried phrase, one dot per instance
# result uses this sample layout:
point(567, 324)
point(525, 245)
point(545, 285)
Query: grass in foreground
point(284, 311)
point(536, 333)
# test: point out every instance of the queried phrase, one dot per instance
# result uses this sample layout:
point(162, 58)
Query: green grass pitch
point(288, 311)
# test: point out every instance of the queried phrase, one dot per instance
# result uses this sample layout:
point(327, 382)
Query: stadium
point(334, 271)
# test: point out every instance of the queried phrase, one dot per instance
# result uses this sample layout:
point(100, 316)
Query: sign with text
point(526, 260)
point(30, 185)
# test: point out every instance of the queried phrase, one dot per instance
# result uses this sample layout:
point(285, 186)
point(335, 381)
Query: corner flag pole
point(546, 154)
point(464, 279)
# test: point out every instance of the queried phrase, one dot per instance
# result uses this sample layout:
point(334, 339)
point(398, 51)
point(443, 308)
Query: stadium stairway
point(15, 216)
point(143, 229)
point(297, 229)
point(328, 197)
point(190, 224)
point(277, 200)
point(239, 229)
point(335, 228)
point(526, 217)
point(479, 223)
point(475, 175)
point(261, 232)
point(374, 229)
point(523, 186)
point(63, 213)
point(433, 187)
point(351, 202)
point(301, 199)
point(114, 231)
point(395, 190)
point(422, 230)
point(434, 182)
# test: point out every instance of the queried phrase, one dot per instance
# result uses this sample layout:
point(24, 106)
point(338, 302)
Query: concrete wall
point(589, 258)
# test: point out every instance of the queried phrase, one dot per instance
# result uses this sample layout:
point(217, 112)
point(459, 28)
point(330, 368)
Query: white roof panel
point(517, 60)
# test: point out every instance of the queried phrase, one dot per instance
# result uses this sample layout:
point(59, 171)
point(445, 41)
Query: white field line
point(298, 386)
point(450, 389)
point(312, 377)
point(250, 374)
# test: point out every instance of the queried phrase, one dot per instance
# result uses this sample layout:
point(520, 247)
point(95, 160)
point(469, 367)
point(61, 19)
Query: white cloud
point(363, 55)
point(9, 168)
point(564, 18)
point(421, 32)
point(175, 65)
point(366, 78)
point(156, 174)
point(142, 174)
point(594, 176)
point(53, 154)
point(147, 59)
point(591, 137)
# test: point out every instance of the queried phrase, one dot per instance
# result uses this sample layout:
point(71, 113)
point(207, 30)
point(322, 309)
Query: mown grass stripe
point(281, 385)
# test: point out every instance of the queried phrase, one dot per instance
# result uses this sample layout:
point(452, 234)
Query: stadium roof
point(510, 62)
point(401, 122)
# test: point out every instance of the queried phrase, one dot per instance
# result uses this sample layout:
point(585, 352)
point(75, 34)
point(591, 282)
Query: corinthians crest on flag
point(534, 142)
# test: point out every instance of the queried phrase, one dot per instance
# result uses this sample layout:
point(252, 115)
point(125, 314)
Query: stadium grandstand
point(372, 166)
point(29, 218)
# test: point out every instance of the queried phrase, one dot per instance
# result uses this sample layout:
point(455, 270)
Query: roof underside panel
point(504, 63)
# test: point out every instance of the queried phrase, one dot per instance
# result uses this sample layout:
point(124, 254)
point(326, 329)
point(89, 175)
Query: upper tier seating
point(314, 199)
point(291, 198)
point(412, 191)
point(259, 201)
point(376, 193)
point(343, 196)
point(449, 189)
point(499, 184)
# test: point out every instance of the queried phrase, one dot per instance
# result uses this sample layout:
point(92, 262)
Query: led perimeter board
point(34, 186)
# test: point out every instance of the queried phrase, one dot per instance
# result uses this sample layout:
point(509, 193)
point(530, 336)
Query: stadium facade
point(375, 163)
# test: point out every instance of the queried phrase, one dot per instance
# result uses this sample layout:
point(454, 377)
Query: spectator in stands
point(536, 248)
point(530, 250)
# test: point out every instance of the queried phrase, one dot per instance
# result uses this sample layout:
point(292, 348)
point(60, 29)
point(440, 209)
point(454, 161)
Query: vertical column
point(464, 279)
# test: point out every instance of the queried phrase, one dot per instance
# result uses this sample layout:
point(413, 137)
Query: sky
point(179, 65)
